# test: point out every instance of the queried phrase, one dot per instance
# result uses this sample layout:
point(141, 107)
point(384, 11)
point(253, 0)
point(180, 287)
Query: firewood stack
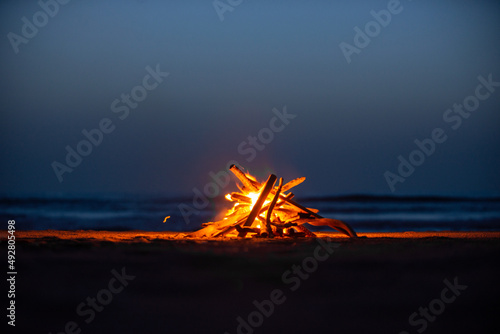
point(267, 210)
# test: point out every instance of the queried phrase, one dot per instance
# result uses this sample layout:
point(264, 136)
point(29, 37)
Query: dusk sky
point(341, 118)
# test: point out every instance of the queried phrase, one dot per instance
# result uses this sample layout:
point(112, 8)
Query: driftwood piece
point(240, 198)
point(306, 231)
point(333, 223)
point(213, 228)
point(260, 201)
point(248, 183)
point(303, 208)
point(319, 220)
point(242, 231)
point(295, 182)
point(271, 208)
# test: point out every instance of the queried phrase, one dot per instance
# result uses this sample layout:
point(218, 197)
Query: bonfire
point(267, 210)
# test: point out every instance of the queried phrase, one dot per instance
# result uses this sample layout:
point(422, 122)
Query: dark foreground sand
point(174, 285)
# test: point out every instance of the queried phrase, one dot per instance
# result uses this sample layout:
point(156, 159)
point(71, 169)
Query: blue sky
point(353, 120)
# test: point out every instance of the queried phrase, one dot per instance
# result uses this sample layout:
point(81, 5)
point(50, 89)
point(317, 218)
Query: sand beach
point(150, 282)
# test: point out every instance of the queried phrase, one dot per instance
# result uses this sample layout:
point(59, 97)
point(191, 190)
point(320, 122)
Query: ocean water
point(363, 213)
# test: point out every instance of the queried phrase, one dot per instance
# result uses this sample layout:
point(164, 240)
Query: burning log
point(271, 208)
point(292, 184)
point(248, 183)
point(274, 210)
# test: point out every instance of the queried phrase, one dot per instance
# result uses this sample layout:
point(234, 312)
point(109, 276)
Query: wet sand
point(157, 282)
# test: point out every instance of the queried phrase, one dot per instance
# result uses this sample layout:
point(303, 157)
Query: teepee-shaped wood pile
point(267, 210)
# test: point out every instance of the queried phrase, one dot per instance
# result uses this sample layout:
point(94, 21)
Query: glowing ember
point(267, 210)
